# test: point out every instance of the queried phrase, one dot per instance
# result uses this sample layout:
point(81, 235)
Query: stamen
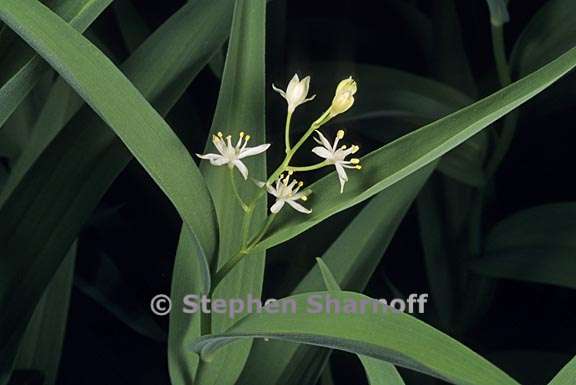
point(358, 167)
point(290, 172)
point(241, 134)
point(304, 198)
point(215, 139)
point(355, 160)
point(247, 138)
point(340, 134)
point(219, 134)
point(355, 149)
point(300, 184)
point(343, 147)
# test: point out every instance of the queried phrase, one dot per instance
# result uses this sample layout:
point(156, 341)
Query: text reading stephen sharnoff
point(313, 304)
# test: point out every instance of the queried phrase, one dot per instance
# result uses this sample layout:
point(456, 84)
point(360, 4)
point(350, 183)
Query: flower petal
point(249, 151)
point(294, 82)
point(298, 207)
point(324, 141)
point(322, 152)
point(215, 159)
point(281, 92)
point(242, 168)
point(342, 177)
point(276, 207)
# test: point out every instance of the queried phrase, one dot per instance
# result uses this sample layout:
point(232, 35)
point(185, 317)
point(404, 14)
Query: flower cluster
point(280, 185)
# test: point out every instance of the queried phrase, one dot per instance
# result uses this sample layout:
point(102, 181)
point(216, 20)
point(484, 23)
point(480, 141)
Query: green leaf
point(352, 258)
point(549, 34)
point(566, 375)
point(29, 66)
point(329, 280)
point(391, 163)
point(395, 102)
point(394, 337)
point(240, 108)
point(535, 245)
point(439, 267)
point(84, 158)
point(132, 27)
point(105, 88)
point(378, 372)
point(44, 337)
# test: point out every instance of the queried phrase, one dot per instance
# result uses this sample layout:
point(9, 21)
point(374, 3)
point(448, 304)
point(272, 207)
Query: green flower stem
point(287, 132)
point(246, 224)
point(249, 208)
point(307, 168)
point(232, 262)
point(262, 232)
point(323, 119)
point(236, 193)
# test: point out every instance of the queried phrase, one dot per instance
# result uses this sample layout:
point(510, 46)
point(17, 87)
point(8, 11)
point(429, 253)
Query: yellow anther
point(344, 147)
point(355, 149)
point(290, 172)
point(241, 134)
point(355, 160)
point(219, 134)
point(358, 167)
point(340, 134)
point(215, 138)
point(300, 184)
point(304, 198)
point(247, 137)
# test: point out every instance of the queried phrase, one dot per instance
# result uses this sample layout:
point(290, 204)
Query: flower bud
point(344, 98)
point(296, 92)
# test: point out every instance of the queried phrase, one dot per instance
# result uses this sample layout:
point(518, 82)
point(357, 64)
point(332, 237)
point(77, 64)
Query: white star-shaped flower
point(231, 155)
point(287, 191)
point(337, 156)
point(296, 92)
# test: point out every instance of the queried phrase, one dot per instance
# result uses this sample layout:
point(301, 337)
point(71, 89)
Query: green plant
point(64, 160)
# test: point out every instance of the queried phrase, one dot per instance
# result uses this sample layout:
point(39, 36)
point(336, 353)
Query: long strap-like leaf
point(378, 372)
point(240, 108)
point(391, 336)
point(46, 209)
point(566, 376)
point(395, 161)
point(80, 14)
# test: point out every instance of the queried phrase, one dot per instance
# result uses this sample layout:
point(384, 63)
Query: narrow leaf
point(400, 158)
point(394, 337)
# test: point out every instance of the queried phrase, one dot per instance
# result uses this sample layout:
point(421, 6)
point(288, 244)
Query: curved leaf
point(240, 108)
point(402, 157)
point(80, 14)
point(378, 372)
point(352, 258)
point(567, 375)
point(44, 212)
point(536, 245)
point(394, 337)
